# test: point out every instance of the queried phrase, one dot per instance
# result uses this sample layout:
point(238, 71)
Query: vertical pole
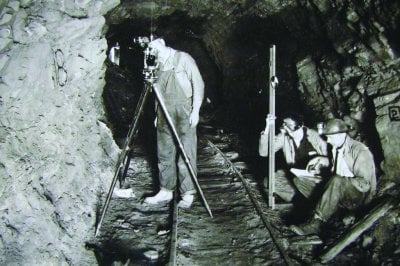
point(271, 134)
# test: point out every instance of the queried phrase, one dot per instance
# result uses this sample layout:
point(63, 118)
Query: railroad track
point(242, 231)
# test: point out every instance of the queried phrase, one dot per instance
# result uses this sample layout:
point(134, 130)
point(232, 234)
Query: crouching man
point(353, 182)
point(302, 148)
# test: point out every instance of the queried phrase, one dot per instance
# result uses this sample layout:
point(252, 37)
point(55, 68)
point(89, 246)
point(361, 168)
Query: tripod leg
point(126, 167)
point(133, 132)
point(124, 158)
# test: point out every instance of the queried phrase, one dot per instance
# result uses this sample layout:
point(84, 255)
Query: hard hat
point(335, 126)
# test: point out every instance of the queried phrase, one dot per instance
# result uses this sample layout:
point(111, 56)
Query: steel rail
point(174, 235)
point(257, 206)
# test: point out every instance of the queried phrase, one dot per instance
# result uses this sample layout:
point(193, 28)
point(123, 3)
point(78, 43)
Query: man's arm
point(264, 142)
point(364, 171)
point(319, 144)
point(198, 89)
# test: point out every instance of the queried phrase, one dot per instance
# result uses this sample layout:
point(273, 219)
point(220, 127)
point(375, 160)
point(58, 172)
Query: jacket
point(360, 162)
point(284, 142)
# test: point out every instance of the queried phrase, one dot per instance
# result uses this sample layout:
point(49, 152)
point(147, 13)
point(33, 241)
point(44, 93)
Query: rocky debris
point(234, 235)
point(357, 229)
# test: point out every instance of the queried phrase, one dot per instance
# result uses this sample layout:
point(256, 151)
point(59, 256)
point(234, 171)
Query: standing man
point(302, 148)
point(353, 182)
point(182, 88)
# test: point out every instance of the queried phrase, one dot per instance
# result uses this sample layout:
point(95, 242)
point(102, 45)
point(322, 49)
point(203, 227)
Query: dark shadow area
point(246, 82)
point(113, 252)
point(372, 135)
point(387, 14)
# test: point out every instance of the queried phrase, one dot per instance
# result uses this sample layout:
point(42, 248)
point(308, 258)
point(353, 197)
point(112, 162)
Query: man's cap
point(335, 126)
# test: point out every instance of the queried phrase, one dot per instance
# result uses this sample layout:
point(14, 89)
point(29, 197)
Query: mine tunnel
point(66, 110)
point(234, 65)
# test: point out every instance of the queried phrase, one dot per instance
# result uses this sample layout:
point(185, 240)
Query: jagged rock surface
point(57, 154)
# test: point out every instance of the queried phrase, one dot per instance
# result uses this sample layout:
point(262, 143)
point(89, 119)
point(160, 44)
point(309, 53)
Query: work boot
point(186, 201)
point(123, 193)
point(163, 196)
point(309, 228)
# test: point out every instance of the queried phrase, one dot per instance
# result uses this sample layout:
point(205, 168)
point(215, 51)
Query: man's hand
point(315, 165)
point(194, 119)
point(269, 121)
point(286, 130)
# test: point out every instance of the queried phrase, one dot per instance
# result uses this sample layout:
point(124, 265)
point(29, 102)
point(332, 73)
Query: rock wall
point(357, 77)
point(57, 155)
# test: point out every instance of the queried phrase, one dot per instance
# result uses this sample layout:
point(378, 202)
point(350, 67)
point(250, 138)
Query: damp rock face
point(57, 153)
point(356, 78)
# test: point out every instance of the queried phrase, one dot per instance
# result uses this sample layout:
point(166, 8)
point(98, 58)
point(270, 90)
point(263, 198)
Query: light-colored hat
point(335, 126)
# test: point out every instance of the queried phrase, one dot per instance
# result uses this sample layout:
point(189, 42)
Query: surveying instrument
point(150, 69)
